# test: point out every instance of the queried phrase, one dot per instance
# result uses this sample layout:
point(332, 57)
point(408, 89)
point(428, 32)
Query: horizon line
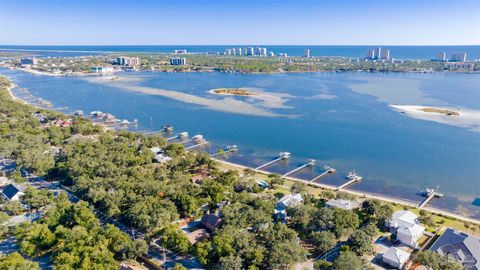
point(396, 45)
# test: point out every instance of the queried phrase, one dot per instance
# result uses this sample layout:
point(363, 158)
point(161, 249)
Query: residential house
point(405, 225)
point(211, 221)
point(291, 200)
point(460, 246)
point(395, 257)
point(12, 192)
point(342, 204)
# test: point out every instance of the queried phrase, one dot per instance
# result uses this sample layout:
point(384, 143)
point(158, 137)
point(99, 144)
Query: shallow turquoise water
point(324, 119)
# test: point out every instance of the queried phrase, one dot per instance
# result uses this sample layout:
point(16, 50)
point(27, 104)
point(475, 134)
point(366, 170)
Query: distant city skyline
point(263, 22)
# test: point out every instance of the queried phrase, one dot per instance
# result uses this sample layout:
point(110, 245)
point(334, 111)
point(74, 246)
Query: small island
point(232, 91)
point(436, 110)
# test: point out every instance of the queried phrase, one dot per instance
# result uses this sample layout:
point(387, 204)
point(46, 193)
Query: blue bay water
point(347, 129)
point(397, 52)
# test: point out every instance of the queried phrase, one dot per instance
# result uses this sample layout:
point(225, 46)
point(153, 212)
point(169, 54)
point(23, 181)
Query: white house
point(406, 226)
point(395, 257)
point(342, 204)
point(291, 200)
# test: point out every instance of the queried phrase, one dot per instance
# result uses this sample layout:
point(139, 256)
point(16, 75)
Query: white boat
point(427, 192)
point(231, 148)
point(353, 176)
point(284, 154)
point(197, 137)
point(183, 134)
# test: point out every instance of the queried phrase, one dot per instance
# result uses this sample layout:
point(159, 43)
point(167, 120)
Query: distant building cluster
point(252, 51)
point(180, 51)
point(28, 61)
point(378, 53)
point(457, 61)
point(178, 61)
point(454, 57)
point(128, 61)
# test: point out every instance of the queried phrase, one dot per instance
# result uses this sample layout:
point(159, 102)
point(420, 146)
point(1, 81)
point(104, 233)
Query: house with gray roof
point(460, 246)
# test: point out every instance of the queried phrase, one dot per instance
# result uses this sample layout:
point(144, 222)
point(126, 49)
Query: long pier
point(328, 171)
point(429, 198)
point(232, 149)
point(179, 136)
point(196, 145)
point(309, 163)
point(353, 178)
point(282, 156)
point(153, 132)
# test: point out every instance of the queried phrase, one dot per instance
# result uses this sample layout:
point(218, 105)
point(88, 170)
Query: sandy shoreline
point(362, 194)
point(465, 118)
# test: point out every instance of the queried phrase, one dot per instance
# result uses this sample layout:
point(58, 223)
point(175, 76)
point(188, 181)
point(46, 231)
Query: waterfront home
point(405, 225)
point(395, 257)
point(342, 204)
point(290, 200)
point(211, 221)
point(460, 246)
point(12, 192)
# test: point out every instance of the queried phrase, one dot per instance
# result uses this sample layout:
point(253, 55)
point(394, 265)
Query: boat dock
point(311, 162)
point(281, 156)
point(180, 135)
point(196, 145)
point(228, 149)
point(329, 170)
point(429, 198)
point(352, 179)
point(153, 132)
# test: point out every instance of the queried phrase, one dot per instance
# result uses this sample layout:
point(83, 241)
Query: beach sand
point(466, 118)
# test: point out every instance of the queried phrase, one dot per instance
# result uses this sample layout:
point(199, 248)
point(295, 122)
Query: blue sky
point(267, 22)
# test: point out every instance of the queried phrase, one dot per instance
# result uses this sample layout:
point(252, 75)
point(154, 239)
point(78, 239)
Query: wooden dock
point(196, 145)
point(281, 157)
point(328, 171)
point(224, 152)
point(350, 182)
point(429, 198)
point(309, 163)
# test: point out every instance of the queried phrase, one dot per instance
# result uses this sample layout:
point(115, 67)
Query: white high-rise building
point(28, 61)
point(441, 56)
point(385, 54)
point(378, 53)
point(239, 51)
point(128, 61)
point(249, 51)
point(458, 57)
point(371, 54)
point(263, 52)
point(178, 61)
point(306, 53)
